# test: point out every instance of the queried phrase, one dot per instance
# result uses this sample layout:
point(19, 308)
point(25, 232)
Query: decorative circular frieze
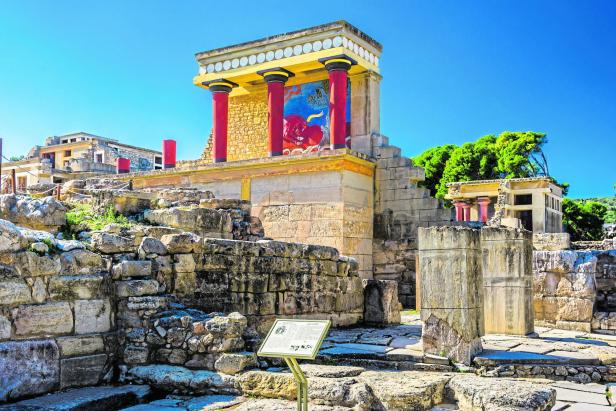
point(218, 66)
point(307, 48)
point(269, 56)
point(288, 51)
point(244, 61)
point(317, 45)
point(226, 65)
point(327, 44)
point(337, 42)
point(297, 50)
point(252, 59)
point(235, 63)
point(279, 54)
point(210, 68)
point(260, 57)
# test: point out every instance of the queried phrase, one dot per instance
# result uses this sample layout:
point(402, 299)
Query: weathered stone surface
point(28, 368)
point(551, 241)
point(30, 264)
point(268, 384)
point(452, 316)
point(92, 316)
point(406, 390)
point(5, 328)
point(82, 371)
point(181, 243)
point(507, 281)
point(39, 291)
point(45, 214)
point(330, 371)
point(11, 239)
point(134, 354)
point(184, 263)
point(81, 262)
point(80, 345)
point(111, 243)
point(136, 288)
point(127, 269)
point(151, 245)
point(101, 398)
point(171, 378)
point(71, 287)
point(45, 319)
point(478, 393)
point(14, 291)
point(233, 363)
point(381, 304)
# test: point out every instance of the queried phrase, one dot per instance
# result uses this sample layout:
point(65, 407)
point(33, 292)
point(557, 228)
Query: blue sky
point(453, 71)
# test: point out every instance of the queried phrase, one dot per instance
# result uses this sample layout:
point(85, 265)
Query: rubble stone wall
point(40, 214)
point(56, 316)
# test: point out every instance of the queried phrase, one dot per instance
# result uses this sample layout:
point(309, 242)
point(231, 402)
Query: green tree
point(508, 155)
point(584, 219)
point(433, 162)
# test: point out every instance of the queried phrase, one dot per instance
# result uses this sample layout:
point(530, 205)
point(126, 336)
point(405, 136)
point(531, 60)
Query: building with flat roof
point(73, 156)
point(532, 203)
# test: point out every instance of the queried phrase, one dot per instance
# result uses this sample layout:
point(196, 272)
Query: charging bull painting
point(306, 117)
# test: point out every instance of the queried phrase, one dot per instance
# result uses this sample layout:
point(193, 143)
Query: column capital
point(220, 85)
point(339, 62)
point(276, 75)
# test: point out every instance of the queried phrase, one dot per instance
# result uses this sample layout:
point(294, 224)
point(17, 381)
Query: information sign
point(294, 338)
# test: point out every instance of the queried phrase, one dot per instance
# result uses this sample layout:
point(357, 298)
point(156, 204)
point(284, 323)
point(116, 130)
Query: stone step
point(136, 288)
point(177, 379)
point(204, 403)
point(102, 398)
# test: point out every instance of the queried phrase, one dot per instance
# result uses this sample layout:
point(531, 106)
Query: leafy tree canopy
point(508, 155)
point(584, 219)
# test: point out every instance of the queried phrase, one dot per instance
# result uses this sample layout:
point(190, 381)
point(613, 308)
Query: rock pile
point(40, 214)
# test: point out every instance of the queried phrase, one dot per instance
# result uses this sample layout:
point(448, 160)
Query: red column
point(467, 211)
point(338, 67)
point(275, 78)
point(123, 165)
point(169, 147)
point(459, 212)
point(483, 208)
point(220, 116)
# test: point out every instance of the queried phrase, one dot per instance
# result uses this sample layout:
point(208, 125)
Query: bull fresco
point(306, 117)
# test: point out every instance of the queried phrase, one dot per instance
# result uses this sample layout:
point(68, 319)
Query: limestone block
point(181, 243)
point(134, 354)
point(14, 291)
point(80, 345)
point(81, 262)
point(136, 288)
point(381, 304)
point(551, 241)
point(111, 243)
point(49, 319)
point(233, 363)
point(185, 283)
point(184, 263)
point(151, 245)
point(451, 291)
point(92, 316)
point(554, 261)
point(72, 287)
point(30, 264)
point(5, 328)
point(11, 239)
point(507, 280)
point(82, 371)
point(127, 269)
point(28, 368)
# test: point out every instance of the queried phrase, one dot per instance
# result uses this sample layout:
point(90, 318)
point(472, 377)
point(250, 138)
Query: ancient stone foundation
point(451, 292)
point(507, 280)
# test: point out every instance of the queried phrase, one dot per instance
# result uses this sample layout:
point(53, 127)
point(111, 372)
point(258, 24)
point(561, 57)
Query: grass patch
point(409, 312)
point(82, 216)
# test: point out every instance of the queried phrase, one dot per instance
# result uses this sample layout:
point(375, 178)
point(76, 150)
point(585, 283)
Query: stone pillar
point(275, 79)
point(381, 305)
point(459, 210)
point(451, 292)
point(365, 110)
point(507, 255)
point(122, 165)
point(338, 67)
point(466, 208)
point(483, 203)
point(169, 156)
point(220, 116)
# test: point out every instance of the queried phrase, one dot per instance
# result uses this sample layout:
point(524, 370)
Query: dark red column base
point(220, 160)
point(123, 171)
point(275, 153)
point(338, 145)
point(166, 166)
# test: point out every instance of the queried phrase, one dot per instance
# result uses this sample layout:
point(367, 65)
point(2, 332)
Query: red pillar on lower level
point(483, 202)
point(123, 165)
point(220, 116)
point(459, 210)
point(276, 79)
point(467, 211)
point(169, 156)
point(338, 67)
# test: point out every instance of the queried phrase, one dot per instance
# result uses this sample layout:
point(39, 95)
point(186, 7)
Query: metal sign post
point(293, 339)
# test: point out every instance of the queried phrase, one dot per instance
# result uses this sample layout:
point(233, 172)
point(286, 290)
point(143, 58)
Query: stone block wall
point(565, 288)
point(247, 133)
point(56, 315)
point(40, 214)
point(400, 208)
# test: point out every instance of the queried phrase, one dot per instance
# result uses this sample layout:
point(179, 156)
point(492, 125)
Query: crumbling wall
point(56, 315)
point(40, 214)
